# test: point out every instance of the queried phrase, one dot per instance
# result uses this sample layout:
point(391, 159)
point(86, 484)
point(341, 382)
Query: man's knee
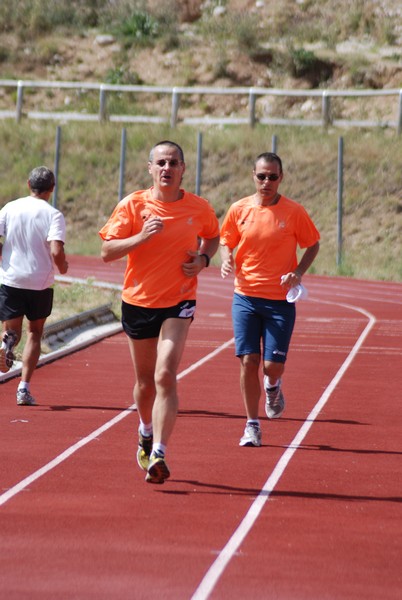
point(250, 362)
point(273, 369)
point(165, 378)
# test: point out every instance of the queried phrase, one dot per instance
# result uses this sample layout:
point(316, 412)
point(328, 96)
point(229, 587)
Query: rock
point(104, 40)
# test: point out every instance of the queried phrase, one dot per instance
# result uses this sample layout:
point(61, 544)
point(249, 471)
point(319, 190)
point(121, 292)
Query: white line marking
point(89, 281)
point(218, 566)
point(62, 457)
point(206, 358)
point(19, 487)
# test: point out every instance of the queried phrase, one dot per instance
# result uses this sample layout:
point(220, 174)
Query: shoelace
point(274, 395)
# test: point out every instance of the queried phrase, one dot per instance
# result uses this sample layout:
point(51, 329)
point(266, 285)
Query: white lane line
point(89, 281)
point(218, 566)
point(62, 457)
point(19, 487)
point(206, 358)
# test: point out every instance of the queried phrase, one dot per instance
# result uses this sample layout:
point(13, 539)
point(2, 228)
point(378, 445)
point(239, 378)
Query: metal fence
point(252, 94)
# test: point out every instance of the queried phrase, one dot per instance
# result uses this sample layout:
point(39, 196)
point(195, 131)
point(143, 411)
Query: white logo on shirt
point(186, 311)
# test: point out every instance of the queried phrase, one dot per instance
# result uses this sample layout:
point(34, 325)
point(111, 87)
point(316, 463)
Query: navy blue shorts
point(263, 327)
point(141, 323)
point(19, 302)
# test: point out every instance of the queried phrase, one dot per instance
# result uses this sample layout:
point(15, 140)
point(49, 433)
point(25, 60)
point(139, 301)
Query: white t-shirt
point(29, 225)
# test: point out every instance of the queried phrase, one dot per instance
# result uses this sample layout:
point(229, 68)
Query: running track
point(315, 513)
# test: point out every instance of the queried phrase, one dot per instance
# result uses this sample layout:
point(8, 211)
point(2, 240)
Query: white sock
point(159, 449)
point(23, 385)
point(269, 385)
point(146, 429)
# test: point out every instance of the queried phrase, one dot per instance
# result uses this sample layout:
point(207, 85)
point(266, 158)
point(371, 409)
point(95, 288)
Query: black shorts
point(141, 323)
point(18, 302)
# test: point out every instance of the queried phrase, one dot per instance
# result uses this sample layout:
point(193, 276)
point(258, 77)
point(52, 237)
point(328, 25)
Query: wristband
point(208, 260)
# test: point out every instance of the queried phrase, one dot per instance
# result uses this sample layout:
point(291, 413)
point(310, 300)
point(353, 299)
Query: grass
point(89, 180)
point(82, 297)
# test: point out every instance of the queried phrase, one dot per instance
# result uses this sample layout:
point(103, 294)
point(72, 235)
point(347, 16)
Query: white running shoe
point(25, 398)
point(274, 400)
point(252, 435)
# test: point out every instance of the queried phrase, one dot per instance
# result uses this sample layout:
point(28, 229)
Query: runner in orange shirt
point(168, 235)
point(265, 229)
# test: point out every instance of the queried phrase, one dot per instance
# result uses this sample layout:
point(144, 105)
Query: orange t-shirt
point(266, 238)
point(154, 277)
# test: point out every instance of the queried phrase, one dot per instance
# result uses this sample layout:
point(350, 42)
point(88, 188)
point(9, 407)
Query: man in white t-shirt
point(34, 235)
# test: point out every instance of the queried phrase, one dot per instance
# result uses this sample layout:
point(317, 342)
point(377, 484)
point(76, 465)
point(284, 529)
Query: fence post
point(122, 163)
point(102, 103)
point(399, 124)
point(274, 143)
point(340, 200)
point(175, 107)
point(199, 165)
point(56, 166)
point(325, 109)
point(251, 101)
point(20, 98)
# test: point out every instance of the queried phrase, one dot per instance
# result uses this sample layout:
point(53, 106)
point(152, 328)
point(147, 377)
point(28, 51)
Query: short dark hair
point(167, 143)
point(269, 157)
point(41, 179)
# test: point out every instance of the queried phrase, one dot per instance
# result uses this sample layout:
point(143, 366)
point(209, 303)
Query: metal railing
point(252, 93)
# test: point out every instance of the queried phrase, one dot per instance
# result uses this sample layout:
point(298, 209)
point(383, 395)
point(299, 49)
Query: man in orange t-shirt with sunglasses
point(266, 229)
point(168, 235)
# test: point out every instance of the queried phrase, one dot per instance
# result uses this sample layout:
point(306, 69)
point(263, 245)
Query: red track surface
point(315, 513)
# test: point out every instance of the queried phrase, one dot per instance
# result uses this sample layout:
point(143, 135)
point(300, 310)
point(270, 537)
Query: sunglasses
point(270, 177)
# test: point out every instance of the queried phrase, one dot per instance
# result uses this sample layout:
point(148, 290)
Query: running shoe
point(157, 470)
point(252, 435)
point(144, 450)
point(274, 400)
point(7, 357)
point(25, 398)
